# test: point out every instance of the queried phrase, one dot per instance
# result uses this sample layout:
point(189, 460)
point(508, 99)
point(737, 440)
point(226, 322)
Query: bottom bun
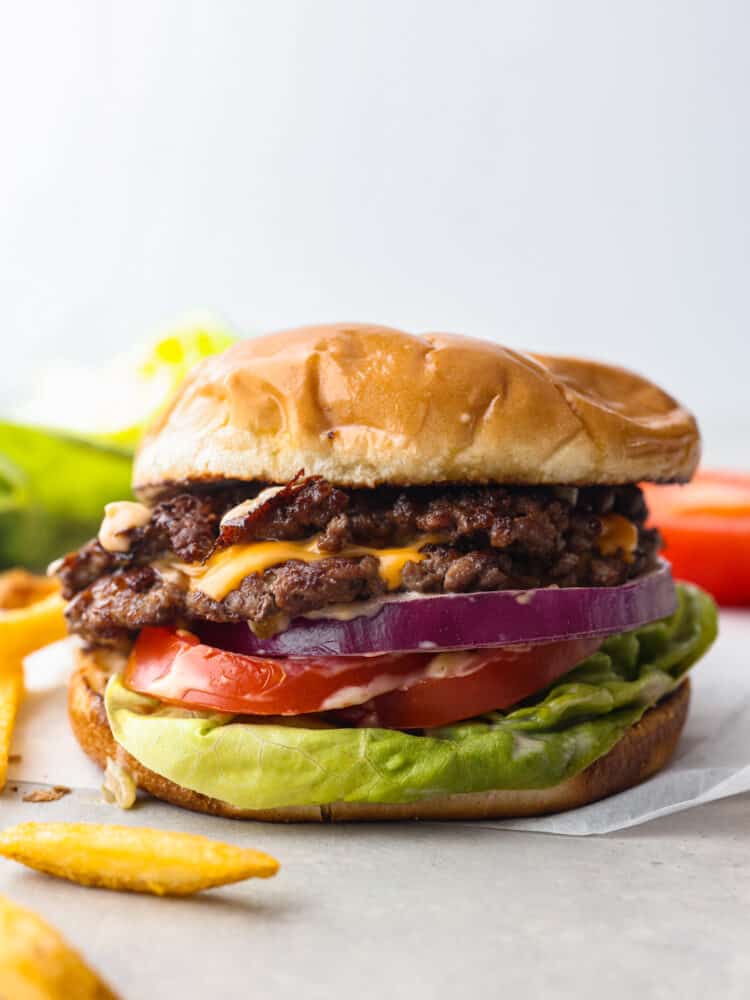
point(644, 749)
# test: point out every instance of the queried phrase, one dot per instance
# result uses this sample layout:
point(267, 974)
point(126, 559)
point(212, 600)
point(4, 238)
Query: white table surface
point(425, 910)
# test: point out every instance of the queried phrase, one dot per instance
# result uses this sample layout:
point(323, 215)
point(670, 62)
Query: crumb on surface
point(47, 794)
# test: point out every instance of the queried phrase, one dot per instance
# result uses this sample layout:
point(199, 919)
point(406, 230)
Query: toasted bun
point(644, 749)
point(364, 405)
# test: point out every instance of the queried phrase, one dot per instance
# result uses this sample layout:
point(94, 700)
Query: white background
point(562, 176)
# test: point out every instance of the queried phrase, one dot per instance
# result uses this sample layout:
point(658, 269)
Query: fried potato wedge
point(36, 963)
point(11, 692)
point(132, 859)
point(31, 614)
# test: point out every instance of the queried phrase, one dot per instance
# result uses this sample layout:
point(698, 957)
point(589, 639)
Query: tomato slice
point(175, 667)
point(493, 679)
point(706, 529)
point(399, 690)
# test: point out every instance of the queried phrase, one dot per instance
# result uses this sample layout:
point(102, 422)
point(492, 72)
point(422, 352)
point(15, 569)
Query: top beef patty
point(490, 538)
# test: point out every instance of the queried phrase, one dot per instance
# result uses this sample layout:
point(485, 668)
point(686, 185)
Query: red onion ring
point(463, 621)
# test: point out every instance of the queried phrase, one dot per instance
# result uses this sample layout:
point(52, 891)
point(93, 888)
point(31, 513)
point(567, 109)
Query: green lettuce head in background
point(55, 478)
point(163, 368)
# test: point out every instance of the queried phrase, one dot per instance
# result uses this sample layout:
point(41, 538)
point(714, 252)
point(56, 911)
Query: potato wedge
point(36, 963)
point(11, 692)
point(132, 859)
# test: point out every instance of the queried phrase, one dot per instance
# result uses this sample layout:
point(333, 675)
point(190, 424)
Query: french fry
point(36, 963)
point(19, 588)
point(11, 692)
point(132, 859)
point(31, 615)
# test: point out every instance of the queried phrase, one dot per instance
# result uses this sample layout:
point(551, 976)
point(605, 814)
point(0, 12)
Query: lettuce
point(550, 738)
point(52, 490)
point(54, 483)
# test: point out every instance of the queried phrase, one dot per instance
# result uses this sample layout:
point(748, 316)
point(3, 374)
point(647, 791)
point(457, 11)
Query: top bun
point(364, 405)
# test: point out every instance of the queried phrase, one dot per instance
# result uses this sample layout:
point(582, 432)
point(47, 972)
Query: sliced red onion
point(463, 621)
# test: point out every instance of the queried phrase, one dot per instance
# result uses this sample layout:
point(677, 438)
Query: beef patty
point(492, 538)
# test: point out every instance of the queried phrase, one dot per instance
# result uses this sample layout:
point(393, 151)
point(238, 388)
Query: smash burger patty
point(494, 538)
point(373, 575)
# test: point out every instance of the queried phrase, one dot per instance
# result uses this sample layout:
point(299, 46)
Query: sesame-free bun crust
point(644, 749)
point(365, 405)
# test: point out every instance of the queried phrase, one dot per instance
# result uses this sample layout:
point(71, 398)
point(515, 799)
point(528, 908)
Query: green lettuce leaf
point(54, 483)
point(52, 490)
point(538, 745)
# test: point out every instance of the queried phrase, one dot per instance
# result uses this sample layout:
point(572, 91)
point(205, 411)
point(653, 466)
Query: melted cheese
point(225, 570)
point(617, 533)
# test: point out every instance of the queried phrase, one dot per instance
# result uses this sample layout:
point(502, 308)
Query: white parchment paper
point(712, 759)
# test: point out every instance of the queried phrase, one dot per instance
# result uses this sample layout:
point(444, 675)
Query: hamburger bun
point(644, 749)
point(367, 405)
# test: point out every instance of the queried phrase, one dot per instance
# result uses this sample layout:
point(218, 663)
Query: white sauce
point(120, 518)
point(347, 612)
point(442, 665)
point(457, 664)
point(357, 694)
point(370, 607)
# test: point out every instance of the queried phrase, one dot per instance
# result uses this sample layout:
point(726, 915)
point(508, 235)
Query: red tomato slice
point(706, 530)
point(498, 678)
point(175, 667)
point(406, 690)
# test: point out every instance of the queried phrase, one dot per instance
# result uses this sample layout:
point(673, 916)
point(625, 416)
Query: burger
point(371, 575)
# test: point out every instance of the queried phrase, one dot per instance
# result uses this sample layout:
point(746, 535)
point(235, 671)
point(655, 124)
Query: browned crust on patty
point(645, 748)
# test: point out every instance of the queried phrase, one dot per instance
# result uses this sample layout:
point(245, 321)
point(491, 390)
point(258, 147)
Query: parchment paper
point(712, 759)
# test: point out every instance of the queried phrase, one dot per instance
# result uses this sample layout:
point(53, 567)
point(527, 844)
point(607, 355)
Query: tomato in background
point(706, 529)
